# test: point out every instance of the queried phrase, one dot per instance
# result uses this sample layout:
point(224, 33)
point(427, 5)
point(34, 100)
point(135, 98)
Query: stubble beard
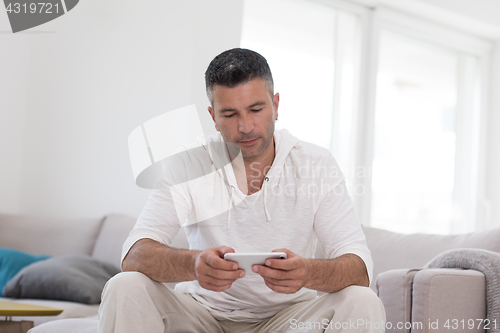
point(234, 148)
point(267, 140)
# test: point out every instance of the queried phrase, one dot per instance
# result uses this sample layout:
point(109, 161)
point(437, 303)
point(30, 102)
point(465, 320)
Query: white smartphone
point(245, 261)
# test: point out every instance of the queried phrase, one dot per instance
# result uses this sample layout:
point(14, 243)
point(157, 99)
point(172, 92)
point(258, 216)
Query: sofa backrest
point(113, 233)
point(391, 250)
point(49, 236)
point(103, 238)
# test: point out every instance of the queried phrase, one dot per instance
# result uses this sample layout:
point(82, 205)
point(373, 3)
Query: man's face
point(245, 116)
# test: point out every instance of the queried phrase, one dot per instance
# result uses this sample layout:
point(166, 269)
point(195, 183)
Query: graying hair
point(236, 66)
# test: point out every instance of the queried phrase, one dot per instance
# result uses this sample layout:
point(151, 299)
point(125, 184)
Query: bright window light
point(313, 52)
point(415, 147)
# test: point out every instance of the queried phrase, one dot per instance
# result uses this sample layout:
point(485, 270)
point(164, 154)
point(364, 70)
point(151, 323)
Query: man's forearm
point(160, 262)
point(331, 275)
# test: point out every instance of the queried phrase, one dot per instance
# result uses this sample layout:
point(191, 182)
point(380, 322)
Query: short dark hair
point(236, 66)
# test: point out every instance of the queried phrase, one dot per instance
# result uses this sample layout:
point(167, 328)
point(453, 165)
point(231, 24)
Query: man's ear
point(212, 113)
point(276, 102)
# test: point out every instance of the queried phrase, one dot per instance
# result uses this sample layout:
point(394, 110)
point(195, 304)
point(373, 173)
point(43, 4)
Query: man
point(286, 194)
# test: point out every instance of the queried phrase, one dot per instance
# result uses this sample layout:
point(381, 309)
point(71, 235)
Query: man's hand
point(285, 276)
point(328, 275)
point(215, 273)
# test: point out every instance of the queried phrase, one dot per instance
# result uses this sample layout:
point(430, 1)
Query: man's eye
point(256, 110)
point(229, 115)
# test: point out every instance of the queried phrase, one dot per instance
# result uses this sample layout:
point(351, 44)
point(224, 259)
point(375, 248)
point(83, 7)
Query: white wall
point(13, 75)
point(479, 17)
point(486, 11)
point(74, 88)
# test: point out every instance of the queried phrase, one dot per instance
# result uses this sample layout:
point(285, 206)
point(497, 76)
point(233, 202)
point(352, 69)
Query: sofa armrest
point(394, 288)
point(442, 296)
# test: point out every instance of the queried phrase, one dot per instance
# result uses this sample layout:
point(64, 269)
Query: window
point(396, 99)
point(314, 53)
point(415, 135)
point(426, 116)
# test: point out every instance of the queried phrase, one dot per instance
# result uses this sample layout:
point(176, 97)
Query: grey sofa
point(420, 299)
point(409, 293)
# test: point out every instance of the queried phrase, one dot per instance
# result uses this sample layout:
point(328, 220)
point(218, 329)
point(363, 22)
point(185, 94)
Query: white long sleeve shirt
point(303, 202)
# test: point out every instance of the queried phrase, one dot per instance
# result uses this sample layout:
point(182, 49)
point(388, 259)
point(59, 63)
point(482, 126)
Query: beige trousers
point(132, 302)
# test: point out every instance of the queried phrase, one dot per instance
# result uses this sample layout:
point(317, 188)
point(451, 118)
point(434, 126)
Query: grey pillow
point(76, 278)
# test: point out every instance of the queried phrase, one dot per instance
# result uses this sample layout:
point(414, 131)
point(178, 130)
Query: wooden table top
point(22, 309)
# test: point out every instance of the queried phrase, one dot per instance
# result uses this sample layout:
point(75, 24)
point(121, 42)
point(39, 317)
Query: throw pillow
point(12, 261)
point(76, 278)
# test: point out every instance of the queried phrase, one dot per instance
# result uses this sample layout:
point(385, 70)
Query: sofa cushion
point(76, 278)
point(394, 288)
point(114, 231)
point(12, 261)
point(73, 325)
point(450, 294)
point(391, 250)
point(49, 236)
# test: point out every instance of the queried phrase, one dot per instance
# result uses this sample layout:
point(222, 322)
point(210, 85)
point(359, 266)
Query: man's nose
point(245, 124)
